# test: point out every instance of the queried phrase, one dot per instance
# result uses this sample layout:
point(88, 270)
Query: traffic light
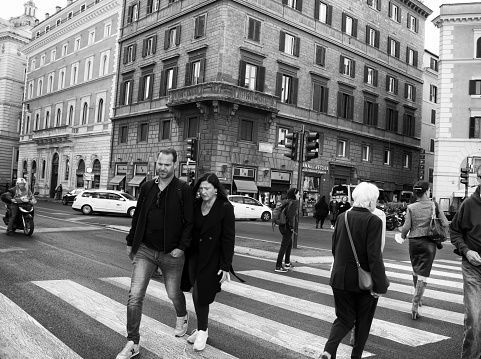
point(464, 176)
point(312, 145)
point(191, 178)
point(192, 149)
point(293, 145)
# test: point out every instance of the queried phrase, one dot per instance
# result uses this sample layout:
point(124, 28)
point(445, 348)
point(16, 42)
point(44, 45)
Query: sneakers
point(129, 351)
point(192, 337)
point(325, 355)
point(332, 227)
point(281, 269)
point(288, 266)
point(201, 340)
point(181, 325)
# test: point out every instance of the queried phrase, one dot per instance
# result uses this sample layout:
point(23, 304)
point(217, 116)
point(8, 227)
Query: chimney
point(36, 21)
point(47, 15)
point(58, 8)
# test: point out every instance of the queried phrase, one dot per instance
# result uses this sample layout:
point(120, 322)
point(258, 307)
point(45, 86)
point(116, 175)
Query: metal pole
point(299, 185)
point(466, 184)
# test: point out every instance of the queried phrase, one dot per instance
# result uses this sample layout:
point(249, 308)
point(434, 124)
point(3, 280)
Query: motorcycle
point(395, 220)
point(24, 220)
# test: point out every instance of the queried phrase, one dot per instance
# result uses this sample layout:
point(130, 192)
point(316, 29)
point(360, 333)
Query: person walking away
point(209, 256)
point(422, 250)
point(58, 191)
point(15, 197)
point(287, 229)
point(160, 234)
point(353, 305)
point(321, 211)
point(333, 212)
point(465, 230)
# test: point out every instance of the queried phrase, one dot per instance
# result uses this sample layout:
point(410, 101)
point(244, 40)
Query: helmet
point(21, 180)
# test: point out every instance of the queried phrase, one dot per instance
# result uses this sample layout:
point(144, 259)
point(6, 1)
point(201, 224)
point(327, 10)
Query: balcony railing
point(53, 135)
point(138, 108)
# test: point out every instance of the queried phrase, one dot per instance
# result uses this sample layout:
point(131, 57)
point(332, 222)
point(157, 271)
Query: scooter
point(394, 220)
point(24, 220)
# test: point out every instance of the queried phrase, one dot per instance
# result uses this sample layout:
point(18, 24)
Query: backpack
point(279, 215)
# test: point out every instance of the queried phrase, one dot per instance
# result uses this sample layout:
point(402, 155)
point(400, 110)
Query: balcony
point(142, 107)
point(53, 135)
point(221, 91)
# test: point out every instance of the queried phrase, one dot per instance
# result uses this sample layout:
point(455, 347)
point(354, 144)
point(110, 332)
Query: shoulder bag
point(364, 277)
point(437, 229)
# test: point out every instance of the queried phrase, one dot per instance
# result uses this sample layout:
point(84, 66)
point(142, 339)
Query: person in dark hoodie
point(287, 230)
point(465, 231)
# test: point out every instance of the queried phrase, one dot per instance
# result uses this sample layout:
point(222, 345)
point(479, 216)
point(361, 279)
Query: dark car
point(69, 197)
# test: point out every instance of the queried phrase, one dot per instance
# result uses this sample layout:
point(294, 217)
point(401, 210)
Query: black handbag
point(437, 230)
point(364, 277)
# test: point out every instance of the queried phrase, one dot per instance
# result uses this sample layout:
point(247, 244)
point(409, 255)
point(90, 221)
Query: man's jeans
point(472, 314)
point(144, 264)
point(286, 245)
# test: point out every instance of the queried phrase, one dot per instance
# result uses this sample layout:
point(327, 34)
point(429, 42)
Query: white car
point(105, 201)
point(246, 207)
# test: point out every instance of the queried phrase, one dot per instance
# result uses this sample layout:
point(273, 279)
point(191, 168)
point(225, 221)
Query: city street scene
point(252, 156)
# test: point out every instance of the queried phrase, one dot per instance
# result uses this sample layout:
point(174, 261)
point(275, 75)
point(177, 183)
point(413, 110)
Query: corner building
point(66, 132)
point(242, 74)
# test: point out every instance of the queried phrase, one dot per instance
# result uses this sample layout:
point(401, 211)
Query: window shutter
point(415, 59)
point(320, 55)
point(261, 78)
point(343, 24)
point(279, 85)
point(125, 54)
point(367, 34)
point(478, 50)
point(472, 87)
point(376, 40)
point(141, 88)
point(294, 90)
point(202, 71)
point(316, 97)
point(187, 74)
point(407, 55)
point(177, 35)
point(390, 9)
point(297, 46)
point(299, 5)
point(250, 29)
point(257, 31)
point(414, 93)
point(353, 72)
point(154, 44)
point(201, 29)
point(369, 2)
point(354, 28)
point(398, 49)
point(284, 2)
point(282, 41)
point(409, 21)
point(163, 83)
point(196, 27)
point(316, 9)
point(351, 108)
point(149, 6)
point(365, 119)
point(329, 15)
point(378, 5)
point(399, 17)
point(144, 47)
point(341, 64)
point(376, 111)
point(396, 120)
point(242, 73)
point(396, 83)
point(339, 104)
point(325, 100)
point(365, 73)
point(389, 45)
point(151, 87)
point(174, 77)
point(122, 94)
point(131, 90)
point(405, 90)
point(416, 25)
point(129, 16)
point(472, 127)
point(387, 82)
point(375, 78)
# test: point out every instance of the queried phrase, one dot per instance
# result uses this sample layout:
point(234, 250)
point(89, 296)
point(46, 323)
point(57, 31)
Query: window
point(67, 170)
point(126, 89)
point(164, 130)
point(199, 26)
point(50, 82)
point(44, 165)
point(192, 127)
point(107, 30)
point(410, 92)
point(100, 110)
point(70, 15)
point(433, 64)
point(149, 46)
point(295, 4)
point(42, 60)
point(366, 153)
point(152, 5)
point(195, 72)
point(88, 69)
point(172, 37)
point(323, 12)
point(341, 148)
point(281, 136)
point(123, 132)
point(53, 55)
point(345, 105)
point(46, 119)
point(76, 44)
point(387, 157)
point(30, 90)
point(411, 57)
point(289, 44)
point(82, 8)
point(74, 74)
point(394, 12)
point(58, 119)
point(37, 120)
point(349, 25)
point(412, 23)
point(33, 64)
point(347, 66)
point(433, 116)
point(478, 48)
point(104, 63)
point(407, 160)
point(47, 28)
point(474, 127)
point(37, 34)
point(254, 30)
point(391, 84)
point(431, 145)
point(320, 96)
point(129, 53)
point(393, 47)
point(433, 93)
point(431, 175)
point(58, 22)
point(251, 76)
point(391, 119)
point(146, 86)
point(64, 50)
point(372, 36)
point(409, 125)
point(374, 4)
point(246, 130)
point(370, 76)
point(133, 13)
point(320, 55)
point(40, 87)
point(70, 115)
point(287, 88)
point(27, 125)
point(168, 80)
point(143, 132)
point(61, 78)
point(85, 112)
point(371, 110)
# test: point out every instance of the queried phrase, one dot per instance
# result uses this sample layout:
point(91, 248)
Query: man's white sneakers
point(129, 351)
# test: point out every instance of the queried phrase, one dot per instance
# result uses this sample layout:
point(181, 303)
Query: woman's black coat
point(216, 250)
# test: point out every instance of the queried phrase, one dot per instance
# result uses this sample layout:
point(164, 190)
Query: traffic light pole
point(299, 185)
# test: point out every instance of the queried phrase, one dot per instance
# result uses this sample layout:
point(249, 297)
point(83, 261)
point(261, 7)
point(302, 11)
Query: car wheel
point(86, 209)
point(64, 201)
point(131, 212)
point(266, 216)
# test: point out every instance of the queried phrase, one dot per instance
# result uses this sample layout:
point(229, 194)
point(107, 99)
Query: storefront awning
point(460, 193)
point(117, 179)
point(246, 186)
point(137, 180)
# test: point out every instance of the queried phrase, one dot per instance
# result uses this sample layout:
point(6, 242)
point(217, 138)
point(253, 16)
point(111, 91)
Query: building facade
point(458, 135)
point(239, 75)
point(14, 34)
point(66, 132)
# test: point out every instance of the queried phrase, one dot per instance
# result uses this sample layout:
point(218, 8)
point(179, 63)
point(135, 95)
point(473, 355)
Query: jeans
point(145, 262)
point(472, 314)
point(286, 245)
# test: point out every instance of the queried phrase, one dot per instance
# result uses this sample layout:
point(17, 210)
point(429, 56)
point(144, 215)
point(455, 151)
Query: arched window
point(37, 116)
point(478, 48)
point(44, 165)
point(70, 115)
point(104, 65)
point(96, 169)
point(80, 173)
point(33, 177)
point(84, 113)
point(67, 169)
point(59, 118)
point(89, 65)
point(27, 125)
point(25, 169)
point(47, 119)
point(100, 110)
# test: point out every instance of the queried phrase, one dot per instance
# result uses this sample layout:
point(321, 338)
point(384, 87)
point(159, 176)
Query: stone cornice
point(418, 6)
point(439, 20)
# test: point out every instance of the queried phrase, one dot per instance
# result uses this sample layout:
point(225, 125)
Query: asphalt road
point(70, 276)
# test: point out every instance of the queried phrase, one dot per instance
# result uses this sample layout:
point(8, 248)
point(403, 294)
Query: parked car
point(70, 196)
point(105, 201)
point(246, 207)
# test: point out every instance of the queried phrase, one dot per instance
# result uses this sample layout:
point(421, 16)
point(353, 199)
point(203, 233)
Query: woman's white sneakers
point(199, 339)
point(192, 336)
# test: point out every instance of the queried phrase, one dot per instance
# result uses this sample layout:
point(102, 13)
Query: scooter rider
point(15, 197)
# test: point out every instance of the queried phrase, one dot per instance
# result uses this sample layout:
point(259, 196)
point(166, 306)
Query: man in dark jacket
point(466, 237)
point(160, 234)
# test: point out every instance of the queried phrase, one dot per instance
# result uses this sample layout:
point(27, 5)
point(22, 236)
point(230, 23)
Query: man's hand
point(473, 258)
point(375, 295)
point(129, 252)
point(176, 253)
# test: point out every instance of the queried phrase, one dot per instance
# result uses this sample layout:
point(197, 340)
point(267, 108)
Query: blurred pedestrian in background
point(321, 211)
point(333, 210)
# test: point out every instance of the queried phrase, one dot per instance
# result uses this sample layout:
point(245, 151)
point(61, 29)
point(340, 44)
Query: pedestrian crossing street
point(21, 336)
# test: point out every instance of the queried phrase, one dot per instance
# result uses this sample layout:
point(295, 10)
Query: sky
point(15, 8)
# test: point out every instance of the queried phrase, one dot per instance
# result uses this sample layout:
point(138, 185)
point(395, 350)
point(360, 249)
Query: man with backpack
point(160, 234)
point(286, 228)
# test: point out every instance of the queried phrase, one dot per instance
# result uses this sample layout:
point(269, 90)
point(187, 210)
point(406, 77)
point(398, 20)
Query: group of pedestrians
point(322, 210)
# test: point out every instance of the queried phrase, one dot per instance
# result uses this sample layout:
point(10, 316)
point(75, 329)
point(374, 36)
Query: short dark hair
point(170, 151)
point(214, 181)
point(291, 193)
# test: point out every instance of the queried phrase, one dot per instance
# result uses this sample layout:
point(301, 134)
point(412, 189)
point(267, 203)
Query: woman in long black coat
point(209, 257)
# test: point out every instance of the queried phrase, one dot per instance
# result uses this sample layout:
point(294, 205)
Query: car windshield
point(129, 197)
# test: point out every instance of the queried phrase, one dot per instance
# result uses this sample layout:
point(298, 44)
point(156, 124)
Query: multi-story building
point(65, 137)
point(242, 74)
point(14, 34)
point(458, 128)
point(430, 109)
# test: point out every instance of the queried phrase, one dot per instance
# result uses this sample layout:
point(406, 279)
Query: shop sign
point(313, 168)
point(121, 169)
point(265, 147)
point(281, 176)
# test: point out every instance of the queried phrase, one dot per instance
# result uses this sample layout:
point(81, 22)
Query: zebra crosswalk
point(22, 336)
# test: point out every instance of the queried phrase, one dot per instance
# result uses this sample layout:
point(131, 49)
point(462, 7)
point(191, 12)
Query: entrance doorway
point(54, 177)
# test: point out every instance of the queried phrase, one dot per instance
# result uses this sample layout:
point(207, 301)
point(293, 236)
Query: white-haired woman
point(352, 304)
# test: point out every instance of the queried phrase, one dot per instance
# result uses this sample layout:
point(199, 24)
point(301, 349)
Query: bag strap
point(433, 216)
point(350, 239)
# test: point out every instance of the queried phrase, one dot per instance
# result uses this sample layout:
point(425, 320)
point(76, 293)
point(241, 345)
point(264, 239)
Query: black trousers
point(286, 245)
point(351, 307)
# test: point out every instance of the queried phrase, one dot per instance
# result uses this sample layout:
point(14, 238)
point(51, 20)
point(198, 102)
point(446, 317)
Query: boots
point(418, 294)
